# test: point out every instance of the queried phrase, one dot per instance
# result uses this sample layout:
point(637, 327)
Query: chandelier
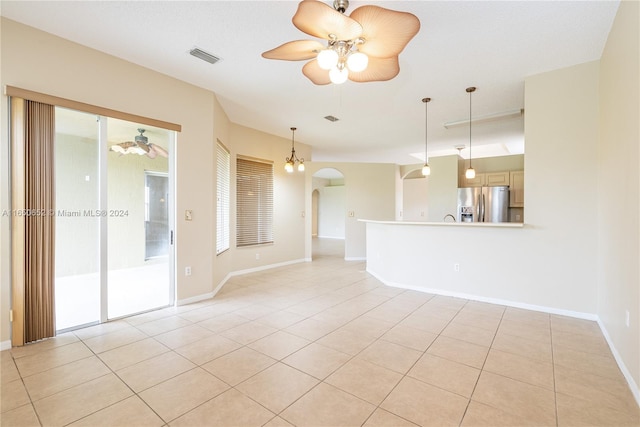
point(291, 161)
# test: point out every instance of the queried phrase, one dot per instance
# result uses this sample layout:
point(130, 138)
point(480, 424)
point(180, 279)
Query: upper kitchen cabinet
point(477, 181)
point(497, 178)
point(491, 179)
point(516, 189)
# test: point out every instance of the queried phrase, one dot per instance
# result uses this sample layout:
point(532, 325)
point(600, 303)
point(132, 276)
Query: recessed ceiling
point(490, 45)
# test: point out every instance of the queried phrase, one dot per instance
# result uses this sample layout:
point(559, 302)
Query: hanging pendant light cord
point(470, 129)
point(426, 126)
point(470, 90)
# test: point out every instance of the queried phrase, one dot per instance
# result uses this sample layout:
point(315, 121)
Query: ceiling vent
point(205, 56)
point(331, 118)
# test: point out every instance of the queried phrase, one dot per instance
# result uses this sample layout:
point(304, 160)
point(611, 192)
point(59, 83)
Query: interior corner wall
point(370, 194)
point(619, 188)
point(86, 75)
point(561, 138)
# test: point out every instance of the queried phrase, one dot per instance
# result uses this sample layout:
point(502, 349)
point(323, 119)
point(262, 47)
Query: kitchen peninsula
point(478, 261)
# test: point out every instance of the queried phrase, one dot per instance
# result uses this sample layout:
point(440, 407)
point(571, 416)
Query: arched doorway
point(328, 210)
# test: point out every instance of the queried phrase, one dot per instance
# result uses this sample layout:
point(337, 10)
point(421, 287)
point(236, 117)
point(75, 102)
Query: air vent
point(205, 56)
point(331, 118)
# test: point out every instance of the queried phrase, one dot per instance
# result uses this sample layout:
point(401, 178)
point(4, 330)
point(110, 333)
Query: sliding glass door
point(138, 221)
point(114, 218)
point(77, 237)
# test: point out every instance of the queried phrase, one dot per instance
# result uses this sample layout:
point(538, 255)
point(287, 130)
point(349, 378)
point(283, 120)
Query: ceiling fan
point(141, 146)
point(362, 47)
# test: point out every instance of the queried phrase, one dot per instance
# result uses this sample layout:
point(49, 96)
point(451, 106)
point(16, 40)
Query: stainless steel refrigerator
point(483, 204)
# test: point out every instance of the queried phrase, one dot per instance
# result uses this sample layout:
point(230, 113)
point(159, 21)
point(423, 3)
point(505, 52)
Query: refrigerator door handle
point(482, 209)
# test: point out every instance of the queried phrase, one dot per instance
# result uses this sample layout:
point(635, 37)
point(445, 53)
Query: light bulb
point(426, 170)
point(301, 167)
point(288, 167)
point(327, 59)
point(357, 61)
point(338, 76)
point(470, 173)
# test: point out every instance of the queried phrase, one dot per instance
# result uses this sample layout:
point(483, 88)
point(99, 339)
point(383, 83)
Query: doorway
point(328, 212)
point(114, 252)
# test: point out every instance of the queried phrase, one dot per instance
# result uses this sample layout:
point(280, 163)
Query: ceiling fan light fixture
point(357, 61)
point(338, 75)
point(371, 38)
point(328, 59)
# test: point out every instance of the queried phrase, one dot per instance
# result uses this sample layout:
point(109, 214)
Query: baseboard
point(265, 267)
point(219, 286)
point(627, 375)
point(355, 258)
point(5, 345)
point(508, 303)
point(331, 237)
point(577, 314)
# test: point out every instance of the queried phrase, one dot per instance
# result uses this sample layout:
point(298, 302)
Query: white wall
point(619, 187)
point(331, 211)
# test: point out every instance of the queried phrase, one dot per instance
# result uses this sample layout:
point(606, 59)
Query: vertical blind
point(222, 209)
point(39, 231)
point(254, 204)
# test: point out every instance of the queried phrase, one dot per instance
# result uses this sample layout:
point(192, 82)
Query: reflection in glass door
point(77, 242)
point(113, 218)
point(138, 218)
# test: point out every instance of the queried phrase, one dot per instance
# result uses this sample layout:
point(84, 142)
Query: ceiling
point(487, 44)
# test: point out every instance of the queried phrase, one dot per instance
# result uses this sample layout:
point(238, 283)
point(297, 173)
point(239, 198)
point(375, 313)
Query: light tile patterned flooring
point(321, 344)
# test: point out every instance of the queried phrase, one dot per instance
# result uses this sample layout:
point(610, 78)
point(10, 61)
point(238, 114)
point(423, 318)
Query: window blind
point(222, 219)
point(254, 204)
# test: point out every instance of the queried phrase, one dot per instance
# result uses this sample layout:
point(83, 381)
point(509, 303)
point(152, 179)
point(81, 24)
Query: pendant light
point(291, 161)
point(471, 172)
point(426, 170)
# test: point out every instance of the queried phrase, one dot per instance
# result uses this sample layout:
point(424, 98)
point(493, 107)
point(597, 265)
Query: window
point(222, 219)
point(254, 212)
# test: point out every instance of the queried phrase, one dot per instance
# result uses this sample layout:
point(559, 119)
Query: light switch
point(188, 215)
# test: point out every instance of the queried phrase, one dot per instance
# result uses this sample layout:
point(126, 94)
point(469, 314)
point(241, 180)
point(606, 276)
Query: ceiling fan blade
point(144, 146)
point(295, 51)
point(316, 74)
point(159, 150)
point(319, 20)
point(378, 70)
point(386, 32)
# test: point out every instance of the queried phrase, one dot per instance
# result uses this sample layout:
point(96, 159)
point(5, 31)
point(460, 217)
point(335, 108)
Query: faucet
point(449, 215)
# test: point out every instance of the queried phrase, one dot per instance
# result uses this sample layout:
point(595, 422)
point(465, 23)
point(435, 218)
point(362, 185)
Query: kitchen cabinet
point(477, 181)
point(497, 178)
point(516, 189)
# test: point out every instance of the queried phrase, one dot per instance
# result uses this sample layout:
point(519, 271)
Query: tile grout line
point(482, 368)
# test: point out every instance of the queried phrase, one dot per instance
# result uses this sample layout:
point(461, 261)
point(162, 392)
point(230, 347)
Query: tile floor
point(321, 344)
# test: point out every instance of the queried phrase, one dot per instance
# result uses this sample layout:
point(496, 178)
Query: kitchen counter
point(451, 224)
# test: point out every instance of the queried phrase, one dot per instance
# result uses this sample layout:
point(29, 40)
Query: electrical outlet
point(456, 267)
point(187, 271)
point(352, 214)
point(188, 215)
point(302, 214)
point(257, 256)
point(626, 318)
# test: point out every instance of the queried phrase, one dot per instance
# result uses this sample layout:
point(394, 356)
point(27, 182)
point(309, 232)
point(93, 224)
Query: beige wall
point(82, 74)
point(289, 201)
point(370, 194)
point(619, 187)
point(561, 134)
